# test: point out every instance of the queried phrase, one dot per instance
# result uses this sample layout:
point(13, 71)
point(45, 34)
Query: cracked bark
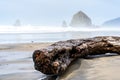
point(55, 59)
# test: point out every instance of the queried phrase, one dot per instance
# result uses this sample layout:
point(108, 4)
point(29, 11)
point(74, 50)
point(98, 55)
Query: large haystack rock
point(80, 19)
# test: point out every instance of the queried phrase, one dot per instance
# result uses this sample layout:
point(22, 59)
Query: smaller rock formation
point(80, 19)
point(64, 24)
point(113, 22)
point(17, 23)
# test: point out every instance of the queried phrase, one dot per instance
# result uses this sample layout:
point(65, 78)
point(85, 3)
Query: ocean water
point(51, 37)
point(30, 37)
point(30, 34)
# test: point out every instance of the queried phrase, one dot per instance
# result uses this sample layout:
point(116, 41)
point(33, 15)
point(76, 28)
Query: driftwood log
point(55, 59)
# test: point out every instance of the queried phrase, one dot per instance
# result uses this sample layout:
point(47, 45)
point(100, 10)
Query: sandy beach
point(16, 64)
point(16, 61)
point(103, 68)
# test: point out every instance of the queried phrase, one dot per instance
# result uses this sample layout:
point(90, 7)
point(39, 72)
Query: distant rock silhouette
point(113, 22)
point(17, 23)
point(80, 19)
point(64, 24)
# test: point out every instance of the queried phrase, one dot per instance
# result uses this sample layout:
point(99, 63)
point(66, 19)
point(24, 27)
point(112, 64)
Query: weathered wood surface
point(55, 59)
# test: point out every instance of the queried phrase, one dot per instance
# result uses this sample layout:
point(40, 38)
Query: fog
point(52, 29)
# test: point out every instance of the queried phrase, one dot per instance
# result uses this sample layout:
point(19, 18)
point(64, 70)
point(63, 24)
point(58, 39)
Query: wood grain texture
point(54, 59)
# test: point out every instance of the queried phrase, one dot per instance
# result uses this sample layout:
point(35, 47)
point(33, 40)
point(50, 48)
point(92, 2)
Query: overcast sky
point(53, 12)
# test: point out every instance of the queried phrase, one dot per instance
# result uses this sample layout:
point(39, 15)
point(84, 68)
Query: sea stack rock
point(64, 24)
point(80, 19)
point(17, 23)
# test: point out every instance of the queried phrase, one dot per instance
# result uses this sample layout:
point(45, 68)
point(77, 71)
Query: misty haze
point(50, 26)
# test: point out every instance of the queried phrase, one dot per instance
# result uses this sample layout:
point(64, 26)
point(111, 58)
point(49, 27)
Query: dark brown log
point(55, 59)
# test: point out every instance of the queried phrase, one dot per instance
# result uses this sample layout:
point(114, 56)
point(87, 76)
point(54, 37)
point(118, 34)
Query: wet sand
point(103, 68)
point(16, 61)
point(16, 64)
